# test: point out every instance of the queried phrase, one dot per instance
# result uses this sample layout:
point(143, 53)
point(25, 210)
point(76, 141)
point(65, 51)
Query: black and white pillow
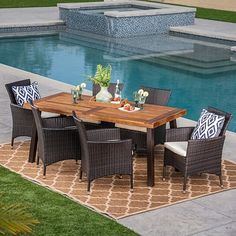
point(209, 125)
point(26, 93)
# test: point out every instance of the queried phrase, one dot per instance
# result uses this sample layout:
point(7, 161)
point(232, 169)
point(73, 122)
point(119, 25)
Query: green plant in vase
point(102, 77)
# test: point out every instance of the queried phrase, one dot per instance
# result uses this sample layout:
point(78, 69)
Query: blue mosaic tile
point(120, 27)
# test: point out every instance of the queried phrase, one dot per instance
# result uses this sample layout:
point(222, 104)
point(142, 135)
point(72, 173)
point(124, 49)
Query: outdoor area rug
point(111, 195)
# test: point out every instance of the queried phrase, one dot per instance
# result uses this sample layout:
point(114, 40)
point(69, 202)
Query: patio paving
point(15, 16)
point(209, 28)
point(49, 15)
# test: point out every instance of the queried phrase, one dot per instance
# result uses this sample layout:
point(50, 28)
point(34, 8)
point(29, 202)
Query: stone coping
point(35, 24)
point(233, 49)
point(28, 34)
point(203, 33)
point(162, 9)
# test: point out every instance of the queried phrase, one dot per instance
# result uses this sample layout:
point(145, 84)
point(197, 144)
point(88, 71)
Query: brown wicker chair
point(199, 156)
point(22, 118)
point(111, 88)
point(157, 97)
point(103, 153)
point(58, 139)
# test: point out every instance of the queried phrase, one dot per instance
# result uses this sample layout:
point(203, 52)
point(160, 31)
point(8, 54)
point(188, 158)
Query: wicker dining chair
point(58, 139)
point(195, 156)
point(158, 97)
point(22, 119)
point(111, 88)
point(103, 153)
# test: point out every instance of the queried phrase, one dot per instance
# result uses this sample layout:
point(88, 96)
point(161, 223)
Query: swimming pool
point(198, 73)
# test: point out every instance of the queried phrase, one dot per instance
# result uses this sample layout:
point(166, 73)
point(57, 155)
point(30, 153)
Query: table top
point(150, 117)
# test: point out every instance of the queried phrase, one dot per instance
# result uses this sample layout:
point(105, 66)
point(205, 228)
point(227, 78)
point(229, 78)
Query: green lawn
point(220, 15)
point(37, 3)
point(57, 214)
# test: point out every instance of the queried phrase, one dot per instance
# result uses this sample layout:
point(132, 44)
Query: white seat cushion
point(91, 121)
point(136, 128)
point(180, 148)
point(45, 114)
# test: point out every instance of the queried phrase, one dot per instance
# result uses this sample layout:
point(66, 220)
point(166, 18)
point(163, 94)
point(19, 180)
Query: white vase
point(103, 95)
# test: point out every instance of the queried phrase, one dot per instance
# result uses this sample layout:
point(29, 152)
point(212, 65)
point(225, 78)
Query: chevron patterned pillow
point(209, 125)
point(27, 93)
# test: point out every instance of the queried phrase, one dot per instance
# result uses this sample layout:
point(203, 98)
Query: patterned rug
point(111, 195)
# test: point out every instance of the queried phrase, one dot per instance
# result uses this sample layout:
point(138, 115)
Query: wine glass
point(141, 101)
point(136, 98)
point(74, 95)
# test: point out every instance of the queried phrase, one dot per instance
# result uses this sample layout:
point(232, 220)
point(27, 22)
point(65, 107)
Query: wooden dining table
point(151, 117)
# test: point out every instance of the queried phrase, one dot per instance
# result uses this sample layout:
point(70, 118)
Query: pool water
point(199, 74)
point(120, 8)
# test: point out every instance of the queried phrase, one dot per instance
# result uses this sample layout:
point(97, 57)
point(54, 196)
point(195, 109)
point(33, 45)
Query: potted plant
point(102, 77)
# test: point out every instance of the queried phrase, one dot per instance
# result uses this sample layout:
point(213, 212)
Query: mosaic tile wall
point(124, 26)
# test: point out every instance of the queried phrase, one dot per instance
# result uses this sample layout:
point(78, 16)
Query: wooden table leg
point(173, 124)
point(150, 158)
point(33, 144)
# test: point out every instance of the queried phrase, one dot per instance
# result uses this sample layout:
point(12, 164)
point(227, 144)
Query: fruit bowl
point(128, 108)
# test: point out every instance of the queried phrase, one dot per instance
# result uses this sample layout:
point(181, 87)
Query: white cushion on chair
point(131, 127)
point(180, 148)
point(91, 121)
point(45, 114)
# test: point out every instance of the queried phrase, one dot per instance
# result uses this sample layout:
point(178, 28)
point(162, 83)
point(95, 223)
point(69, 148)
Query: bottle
point(117, 91)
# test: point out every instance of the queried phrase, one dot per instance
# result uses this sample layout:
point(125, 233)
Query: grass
point(220, 15)
point(57, 215)
point(37, 3)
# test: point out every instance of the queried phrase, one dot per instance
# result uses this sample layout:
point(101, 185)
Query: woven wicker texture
point(22, 119)
point(203, 155)
point(111, 195)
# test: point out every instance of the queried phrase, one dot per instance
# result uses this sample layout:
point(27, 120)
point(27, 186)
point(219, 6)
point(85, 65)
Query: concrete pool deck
point(50, 15)
point(14, 16)
point(209, 28)
point(211, 215)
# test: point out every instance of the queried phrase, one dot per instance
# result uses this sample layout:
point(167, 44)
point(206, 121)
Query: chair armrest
point(103, 134)
point(179, 134)
point(203, 149)
point(52, 129)
point(17, 108)
point(58, 122)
